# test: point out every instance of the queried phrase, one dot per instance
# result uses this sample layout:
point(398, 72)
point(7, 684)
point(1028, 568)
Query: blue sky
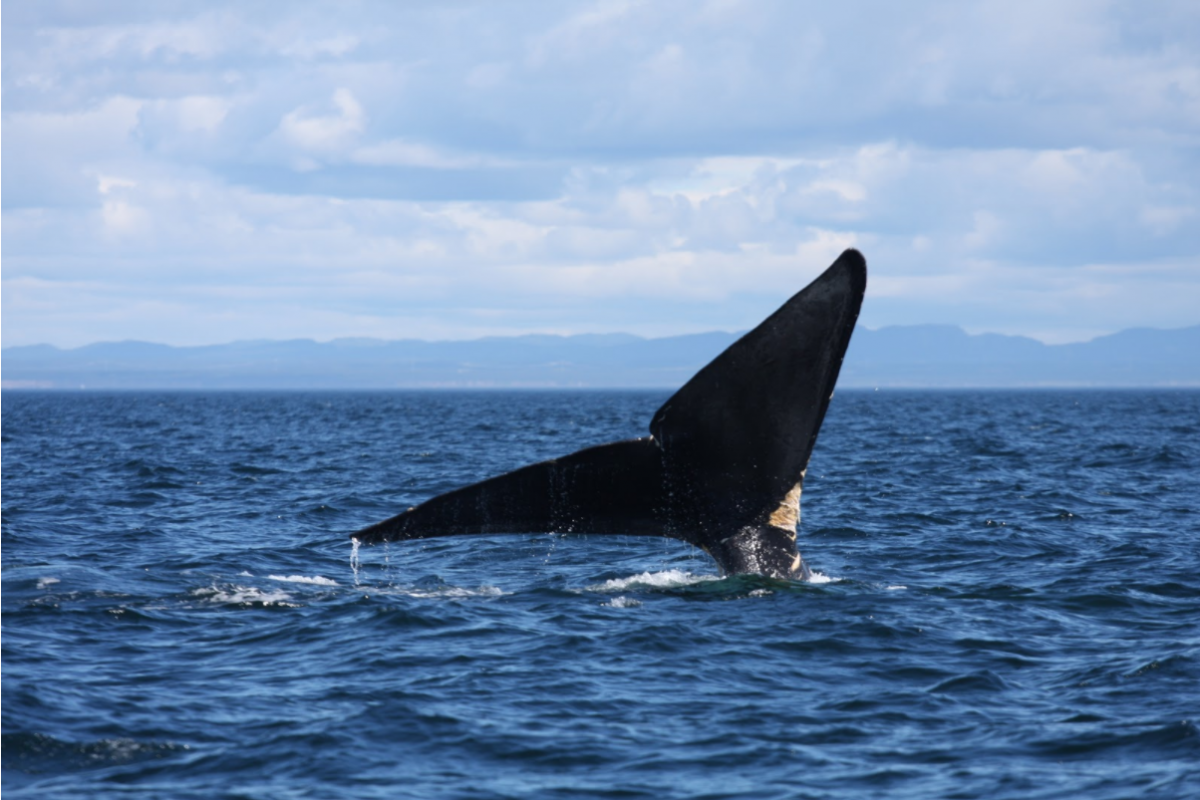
point(195, 173)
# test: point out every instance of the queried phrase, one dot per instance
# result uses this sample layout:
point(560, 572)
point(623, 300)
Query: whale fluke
point(723, 467)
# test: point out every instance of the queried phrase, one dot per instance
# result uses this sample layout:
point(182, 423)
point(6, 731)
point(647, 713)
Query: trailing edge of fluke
point(723, 467)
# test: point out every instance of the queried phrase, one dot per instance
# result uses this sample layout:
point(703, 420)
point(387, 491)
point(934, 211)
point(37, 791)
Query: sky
point(198, 173)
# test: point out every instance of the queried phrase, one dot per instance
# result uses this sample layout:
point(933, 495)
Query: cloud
point(331, 133)
point(409, 169)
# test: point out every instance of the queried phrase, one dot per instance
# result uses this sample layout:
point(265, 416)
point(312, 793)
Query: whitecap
point(46, 583)
point(621, 601)
point(453, 592)
point(243, 595)
point(818, 577)
point(316, 580)
point(667, 579)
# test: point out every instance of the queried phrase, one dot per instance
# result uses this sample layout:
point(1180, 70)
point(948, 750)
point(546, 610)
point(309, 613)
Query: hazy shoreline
point(921, 356)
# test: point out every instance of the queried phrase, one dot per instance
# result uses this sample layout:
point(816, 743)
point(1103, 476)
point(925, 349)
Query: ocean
point(1006, 604)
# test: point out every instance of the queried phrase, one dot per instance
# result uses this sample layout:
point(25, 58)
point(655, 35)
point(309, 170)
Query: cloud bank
point(199, 173)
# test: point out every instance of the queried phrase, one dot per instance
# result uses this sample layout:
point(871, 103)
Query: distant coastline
point(918, 356)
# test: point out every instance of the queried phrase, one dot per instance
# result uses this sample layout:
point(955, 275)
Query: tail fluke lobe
point(613, 488)
point(746, 423)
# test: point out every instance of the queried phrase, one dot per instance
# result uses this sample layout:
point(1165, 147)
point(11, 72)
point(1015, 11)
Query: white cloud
point(107, 183)
point(324, 133)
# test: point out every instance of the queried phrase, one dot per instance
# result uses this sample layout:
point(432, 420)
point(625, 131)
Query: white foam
point(896, 588)
point(316, 580)
point(448, 591)
point(243, 595)
point(46, 583)
point(621, 601)
point(817, 577)
point(667, 579)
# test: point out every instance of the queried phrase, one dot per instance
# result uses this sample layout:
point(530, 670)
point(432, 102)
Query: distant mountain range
point(938, 356)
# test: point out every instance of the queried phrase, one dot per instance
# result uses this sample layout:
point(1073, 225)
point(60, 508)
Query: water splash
point(554, 537)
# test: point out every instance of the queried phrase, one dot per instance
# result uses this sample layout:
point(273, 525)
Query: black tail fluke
point(725, 464)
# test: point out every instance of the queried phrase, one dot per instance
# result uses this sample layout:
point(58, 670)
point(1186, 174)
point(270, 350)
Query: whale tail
point(723, 468)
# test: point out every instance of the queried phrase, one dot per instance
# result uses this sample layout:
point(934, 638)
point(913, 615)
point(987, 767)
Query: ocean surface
point(1006, 605)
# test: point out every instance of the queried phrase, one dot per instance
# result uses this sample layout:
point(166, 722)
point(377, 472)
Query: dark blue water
point(1007, 605)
